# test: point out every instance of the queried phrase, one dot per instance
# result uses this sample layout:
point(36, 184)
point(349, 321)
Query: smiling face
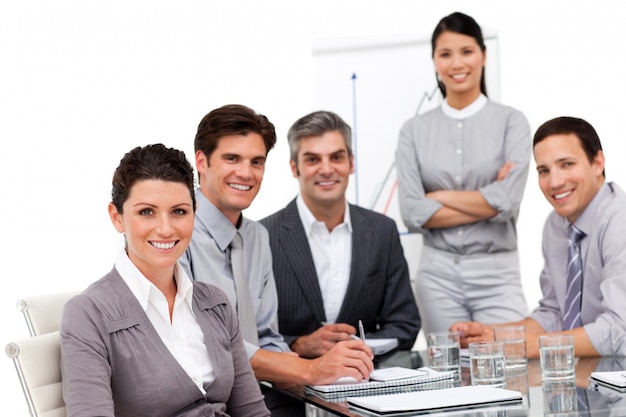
point(567, 178)
point(459, 63)
point(231, 177)
point(157, 222)
point(323, 167)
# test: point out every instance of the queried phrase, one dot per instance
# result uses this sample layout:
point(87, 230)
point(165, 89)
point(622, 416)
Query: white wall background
point(83, 81)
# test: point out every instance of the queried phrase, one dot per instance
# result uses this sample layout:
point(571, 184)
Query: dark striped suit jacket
point(379, 291)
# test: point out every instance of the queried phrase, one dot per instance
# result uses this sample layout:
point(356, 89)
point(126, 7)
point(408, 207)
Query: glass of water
point(556, 355)
point(444, 351)
point(487, 363)
point(514, 340)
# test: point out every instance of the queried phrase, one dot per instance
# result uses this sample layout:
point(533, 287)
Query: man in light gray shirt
point(231, 147)
point(570, 166)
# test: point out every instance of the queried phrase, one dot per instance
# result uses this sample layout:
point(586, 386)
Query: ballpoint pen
point(361, 335)
point(361, 331)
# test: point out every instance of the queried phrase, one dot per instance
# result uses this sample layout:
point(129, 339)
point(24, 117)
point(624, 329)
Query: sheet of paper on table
point(440, 400)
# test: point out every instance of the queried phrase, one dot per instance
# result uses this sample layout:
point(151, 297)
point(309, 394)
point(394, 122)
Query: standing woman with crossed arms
point(462, 169)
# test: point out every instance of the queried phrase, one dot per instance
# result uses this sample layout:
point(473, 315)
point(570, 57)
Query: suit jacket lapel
point(361, 244)
point(296, 247)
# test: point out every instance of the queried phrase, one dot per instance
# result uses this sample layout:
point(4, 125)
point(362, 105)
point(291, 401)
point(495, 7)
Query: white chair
point(37, 361)
point(43, 312)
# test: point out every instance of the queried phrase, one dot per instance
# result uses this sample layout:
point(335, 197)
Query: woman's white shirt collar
point(465, 112)
point(140, 286)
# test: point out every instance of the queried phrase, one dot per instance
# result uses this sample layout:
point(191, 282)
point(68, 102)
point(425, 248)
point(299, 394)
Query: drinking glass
point(556, 355)
point(487, 363)
point(514, 340)
point(444, 351)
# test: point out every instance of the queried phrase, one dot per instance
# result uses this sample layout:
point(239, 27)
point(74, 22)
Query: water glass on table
point(556, 356)
point(514, 340)
point(444, 351)
point(487, 363)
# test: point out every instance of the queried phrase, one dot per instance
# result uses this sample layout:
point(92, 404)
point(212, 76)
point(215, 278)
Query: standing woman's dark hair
point(458, 22)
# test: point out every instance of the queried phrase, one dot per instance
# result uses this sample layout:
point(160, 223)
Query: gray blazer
point(379, 291)
point(114, 363)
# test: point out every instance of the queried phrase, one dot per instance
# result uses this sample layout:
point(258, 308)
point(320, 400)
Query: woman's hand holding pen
point(322, 340)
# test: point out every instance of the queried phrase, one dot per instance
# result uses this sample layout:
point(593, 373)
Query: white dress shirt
point(182, 336)
point(332, 256)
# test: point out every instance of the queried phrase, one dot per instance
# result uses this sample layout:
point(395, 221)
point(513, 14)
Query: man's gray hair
point(316, 124)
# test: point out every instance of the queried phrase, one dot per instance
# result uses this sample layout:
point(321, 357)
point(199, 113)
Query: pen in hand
point(361, 331)
point(361, 335)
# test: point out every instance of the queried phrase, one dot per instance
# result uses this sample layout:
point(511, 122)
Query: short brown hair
point(232, 119)
point(583, 130)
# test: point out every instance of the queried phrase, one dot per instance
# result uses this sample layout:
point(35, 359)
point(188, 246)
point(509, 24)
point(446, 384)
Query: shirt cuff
point(497, 198)
point(424, 210)
point(251, 349)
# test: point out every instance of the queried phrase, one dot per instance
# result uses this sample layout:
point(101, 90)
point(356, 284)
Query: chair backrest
point(43, 312)
point(37, 361)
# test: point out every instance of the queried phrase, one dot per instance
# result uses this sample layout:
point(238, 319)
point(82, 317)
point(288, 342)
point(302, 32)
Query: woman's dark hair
point(461, 23)
point(151, 162)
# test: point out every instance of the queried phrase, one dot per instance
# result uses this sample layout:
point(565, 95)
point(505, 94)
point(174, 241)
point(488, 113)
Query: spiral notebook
point(390, 380)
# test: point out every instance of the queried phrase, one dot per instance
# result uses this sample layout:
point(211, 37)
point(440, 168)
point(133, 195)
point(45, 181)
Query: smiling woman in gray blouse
point(462, 169)
point(145, 340)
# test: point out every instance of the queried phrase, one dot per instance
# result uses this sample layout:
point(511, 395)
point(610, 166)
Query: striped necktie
point(573, 296)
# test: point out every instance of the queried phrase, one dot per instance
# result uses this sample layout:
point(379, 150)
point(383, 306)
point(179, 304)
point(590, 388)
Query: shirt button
point(459, 125)
point(208, 412)
point(459, 151)
point(460, 232)
point(457, 179)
